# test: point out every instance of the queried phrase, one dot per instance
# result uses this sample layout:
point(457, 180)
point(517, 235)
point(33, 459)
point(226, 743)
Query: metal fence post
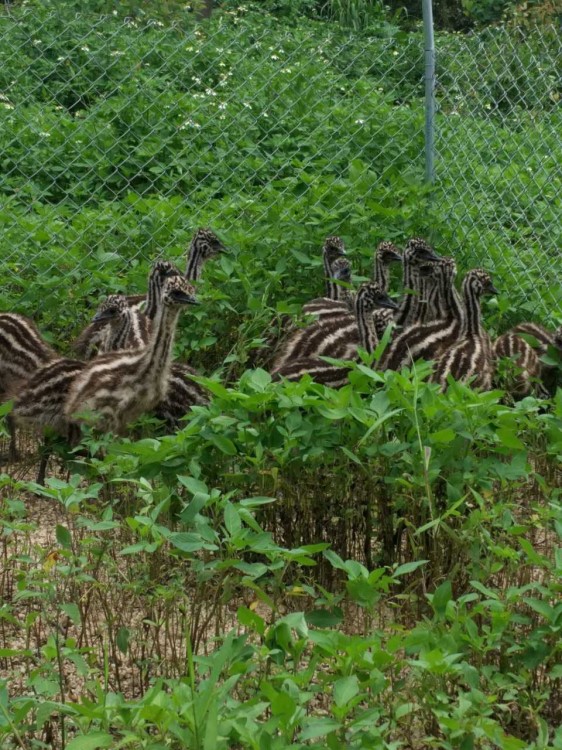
point(429, 54)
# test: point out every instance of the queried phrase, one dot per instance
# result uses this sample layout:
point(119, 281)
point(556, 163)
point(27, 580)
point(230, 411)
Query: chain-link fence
point(119, 135)
point(499, 180)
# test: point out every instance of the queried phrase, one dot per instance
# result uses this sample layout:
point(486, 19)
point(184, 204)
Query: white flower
point(189, 124)
point(274, 57)
point(7, 105)
point(36, 42)
point(222, 105)
point(116, 53)
point(286, 70)
point(85, 48)
point(44, 134)
point(61, 58)
point(210, 92)
point(359, 122)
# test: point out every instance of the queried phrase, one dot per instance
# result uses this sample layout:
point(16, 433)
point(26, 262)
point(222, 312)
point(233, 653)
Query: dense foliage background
point(377, 567)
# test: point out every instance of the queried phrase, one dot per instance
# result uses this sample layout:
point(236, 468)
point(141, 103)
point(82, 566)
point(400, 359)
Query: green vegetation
point(375, 567)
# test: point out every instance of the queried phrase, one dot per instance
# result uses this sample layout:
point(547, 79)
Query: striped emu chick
point(342, 299)
point(181, 394)
point(386, 255)
point(430, 340)
point(364, 334)
point(129, 328)
point(96, 338)
point(119, 327)
point(332, 250)
point(416, 254)
point(118, 387)
point(527, 363)
point(540, 338)
point(41, 402)
point(205, 245)
point(537, 339)
point(22, 352)
point(472, 356)
point(159, 272)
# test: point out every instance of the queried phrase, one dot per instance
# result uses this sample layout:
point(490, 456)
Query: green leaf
point(324, 618)
point(64, 537)
point(259, 379)
point(443, 436)
point(91, 741)
point(441, 597)
point(251, 619)
point(345, 689)
point(122, 639)
point(224, 444)
point(232, 519)
point(408, 567)
point(542, 608)
point(508, 438)
point(187, 542)
point(352, 456)
point(254, 502)
point(318, 728)
point(194, 485)
point(72, 611)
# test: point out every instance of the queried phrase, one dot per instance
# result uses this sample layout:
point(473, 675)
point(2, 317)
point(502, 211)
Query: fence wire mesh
point(120, 135)
point(499, 181)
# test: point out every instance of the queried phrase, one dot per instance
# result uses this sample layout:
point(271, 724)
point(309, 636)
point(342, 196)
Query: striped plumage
point(341, 299)
point(321, 372)
point(204, 246)
point(40, 403)
point(386, 254)
point(117, 325)
point(342, 343)
point(333, 251)
point(280, 329)
point(526, 361)
point(526, 344)
point(22, 351)
point(129, 328)
point(472, 355)
point(430, 340)
point(181, 394)
point(97, 338)
point(539, 337)
point(417, 252)
point(117, 388)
